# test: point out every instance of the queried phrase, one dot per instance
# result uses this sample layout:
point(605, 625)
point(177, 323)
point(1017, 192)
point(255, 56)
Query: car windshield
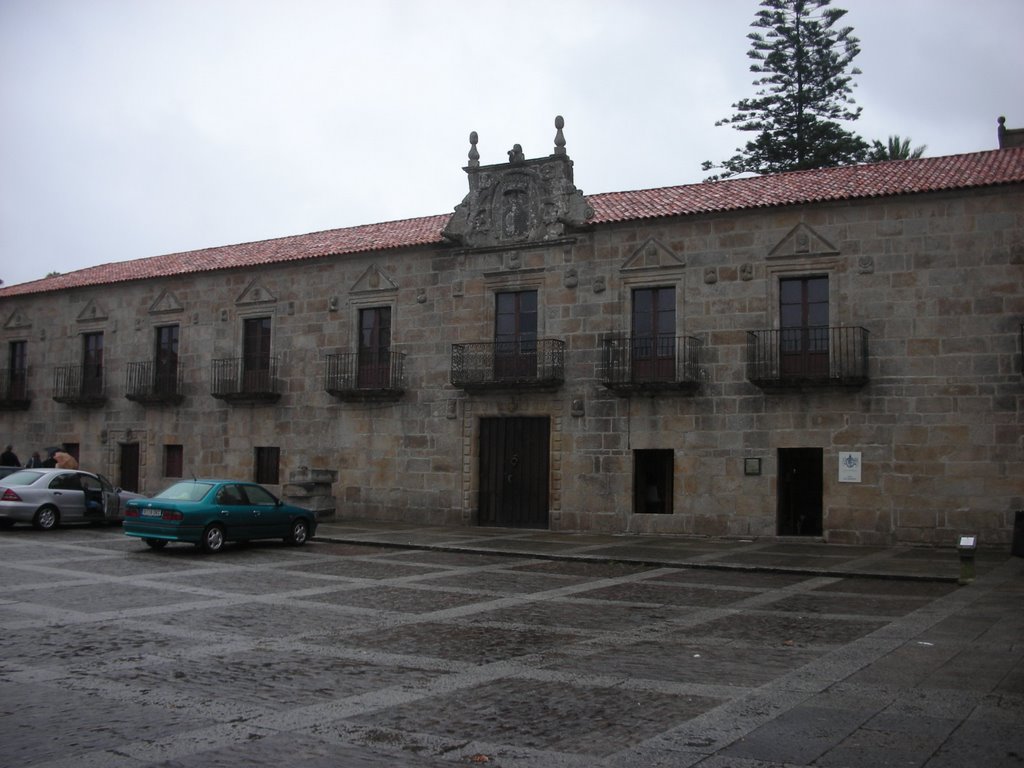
point(185, 491)
point(24, 477)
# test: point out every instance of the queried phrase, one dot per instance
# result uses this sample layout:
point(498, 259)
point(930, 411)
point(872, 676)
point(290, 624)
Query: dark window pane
point(817, 289)
point(791, 316)
point(791, 291)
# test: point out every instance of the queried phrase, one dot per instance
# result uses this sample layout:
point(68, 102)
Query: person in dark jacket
point(34, 461)
point(9, 458)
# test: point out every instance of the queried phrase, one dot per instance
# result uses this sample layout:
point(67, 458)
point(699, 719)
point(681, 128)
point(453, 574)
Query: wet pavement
point(388, 645)
point(780, 555)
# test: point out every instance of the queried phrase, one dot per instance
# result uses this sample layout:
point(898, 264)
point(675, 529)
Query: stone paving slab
point(339, 653)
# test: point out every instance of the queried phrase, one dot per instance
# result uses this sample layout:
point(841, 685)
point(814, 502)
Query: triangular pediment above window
point(17, 319)
point(256, 293)
point(165, 303)
point(803, 240)
point(372, 280)
point(652, 255)
point(92, 311)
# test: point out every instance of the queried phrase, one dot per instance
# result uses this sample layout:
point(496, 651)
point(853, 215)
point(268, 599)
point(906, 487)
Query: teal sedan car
point(209, 513)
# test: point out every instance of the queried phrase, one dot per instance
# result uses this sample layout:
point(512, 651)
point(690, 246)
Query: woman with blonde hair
point(65, 460)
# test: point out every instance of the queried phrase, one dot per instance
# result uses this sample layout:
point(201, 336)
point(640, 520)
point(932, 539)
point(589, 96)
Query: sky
point(136, 128)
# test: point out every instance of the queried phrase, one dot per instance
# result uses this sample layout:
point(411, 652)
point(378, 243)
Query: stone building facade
point(832, 353)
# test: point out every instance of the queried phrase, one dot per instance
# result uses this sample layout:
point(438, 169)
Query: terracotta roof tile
point(1005, 166)
point(901, 177)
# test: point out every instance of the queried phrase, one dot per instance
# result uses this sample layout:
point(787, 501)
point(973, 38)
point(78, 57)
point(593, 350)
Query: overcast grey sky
point(134, 128)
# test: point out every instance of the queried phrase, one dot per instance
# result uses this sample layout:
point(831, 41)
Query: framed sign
point(849, 466)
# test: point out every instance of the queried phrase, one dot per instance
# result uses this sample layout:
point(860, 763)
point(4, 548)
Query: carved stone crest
point(521, 201)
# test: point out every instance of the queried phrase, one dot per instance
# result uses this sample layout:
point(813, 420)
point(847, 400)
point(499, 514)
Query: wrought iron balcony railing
point(149, 382)
point(811, 356)
point(535, 364)
point(650, 363)
point(14, 390)
point(351, 376)
point(80, 385)
point(245, 380)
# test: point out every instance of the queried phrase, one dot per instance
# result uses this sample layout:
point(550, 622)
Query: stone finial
point(1010, 137)
point(559, 136)
point(474, 155)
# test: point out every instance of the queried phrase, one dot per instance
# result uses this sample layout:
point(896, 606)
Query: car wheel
point(213, 539)
point(299, 532)
point(46, 518)
point(156, 543)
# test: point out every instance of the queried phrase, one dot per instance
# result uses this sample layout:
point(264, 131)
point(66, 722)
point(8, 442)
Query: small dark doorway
point(130, 467)
point(514, 471)
point(800, 492)
point(652, 481)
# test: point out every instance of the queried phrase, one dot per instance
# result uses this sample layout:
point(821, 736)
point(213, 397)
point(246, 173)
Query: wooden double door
point(514, 471)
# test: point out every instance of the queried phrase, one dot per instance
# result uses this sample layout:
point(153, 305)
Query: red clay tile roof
point(904, 177)
point(901, 177)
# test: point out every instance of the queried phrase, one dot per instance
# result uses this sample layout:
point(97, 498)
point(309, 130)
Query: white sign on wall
point(849, 466)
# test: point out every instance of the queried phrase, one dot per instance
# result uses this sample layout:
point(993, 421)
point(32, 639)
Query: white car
point(48, 497)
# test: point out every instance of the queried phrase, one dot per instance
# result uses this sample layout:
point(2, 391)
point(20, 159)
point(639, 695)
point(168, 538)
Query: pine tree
point(805, 89)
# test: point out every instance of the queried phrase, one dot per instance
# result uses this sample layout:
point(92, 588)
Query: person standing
point(34, 461)
point(9, 458)
point(65, 460)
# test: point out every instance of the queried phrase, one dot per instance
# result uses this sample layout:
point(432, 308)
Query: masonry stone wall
point(937, 280)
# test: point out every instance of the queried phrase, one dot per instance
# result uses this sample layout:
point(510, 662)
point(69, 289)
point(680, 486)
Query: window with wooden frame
point(653, 334)
point(803, 326)
point(268, 465)
point(374, 353)
point(174, 460)
point(515, 335)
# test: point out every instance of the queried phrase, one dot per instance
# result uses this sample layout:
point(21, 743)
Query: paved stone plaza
point(348, 655)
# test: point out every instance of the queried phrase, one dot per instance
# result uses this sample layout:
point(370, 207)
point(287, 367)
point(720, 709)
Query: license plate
point(152, 513)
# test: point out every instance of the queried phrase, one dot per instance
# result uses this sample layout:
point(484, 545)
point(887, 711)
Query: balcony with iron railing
point(498, 365)
point(245, 380)
point(14, 390)
point(649, 364)
point(79, 385)
point(808, 357)
point(354, 377)
point(150, 383)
